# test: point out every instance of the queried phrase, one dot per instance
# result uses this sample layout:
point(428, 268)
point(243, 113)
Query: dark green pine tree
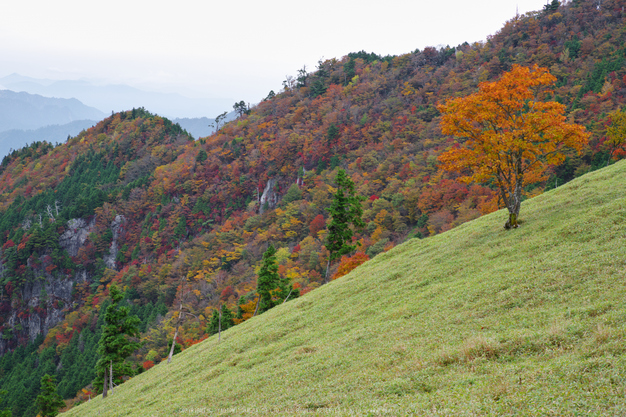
point(552, 7)
point(331, 134)
point(6, 412)
point(114, 346)
point(49, 402)
point(242, 301)
point(272, 289)
point(346, 212)
point(268, 281)
point(227, 320)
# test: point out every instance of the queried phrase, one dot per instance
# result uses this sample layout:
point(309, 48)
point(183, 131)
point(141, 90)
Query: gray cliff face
point(54, 294)
point(116, 226)
point(45, 299)
point(269, 197)
point(76, 234)
point(47, 296)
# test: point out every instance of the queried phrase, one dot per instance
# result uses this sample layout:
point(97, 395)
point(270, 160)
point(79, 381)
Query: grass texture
point(475, 321)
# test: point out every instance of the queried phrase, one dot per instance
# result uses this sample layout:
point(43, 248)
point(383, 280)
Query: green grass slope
point(475, 321)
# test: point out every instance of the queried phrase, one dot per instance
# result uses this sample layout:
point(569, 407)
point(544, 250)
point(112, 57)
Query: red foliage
point(226, 293)
point(9, 288)
point(317, 224)
point(147, 365)
point(195, 342)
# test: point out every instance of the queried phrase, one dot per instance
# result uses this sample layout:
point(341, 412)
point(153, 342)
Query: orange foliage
point(248, 310)
point(512, 134)
point(347, 264)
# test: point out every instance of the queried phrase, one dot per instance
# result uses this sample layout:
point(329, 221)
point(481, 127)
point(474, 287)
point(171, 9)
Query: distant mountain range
point(30, 111)
point(114, 98)
point(26, 118)
point(15, 139)
point(200, 127)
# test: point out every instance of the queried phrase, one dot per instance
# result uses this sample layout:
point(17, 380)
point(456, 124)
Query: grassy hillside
point(474, 321)
point(208, 209)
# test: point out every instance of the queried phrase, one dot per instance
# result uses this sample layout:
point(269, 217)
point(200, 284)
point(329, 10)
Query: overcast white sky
point(234, 49)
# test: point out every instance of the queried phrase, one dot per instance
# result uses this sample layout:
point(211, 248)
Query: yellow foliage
point(380, 217)
point(377, 234)
point(248, 310)
point(408, 89)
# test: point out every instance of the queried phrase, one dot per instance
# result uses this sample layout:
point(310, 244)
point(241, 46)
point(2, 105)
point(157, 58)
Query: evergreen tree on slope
point(114, 346)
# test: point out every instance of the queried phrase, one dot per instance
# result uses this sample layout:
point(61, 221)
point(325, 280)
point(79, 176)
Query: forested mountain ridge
point(134, 201)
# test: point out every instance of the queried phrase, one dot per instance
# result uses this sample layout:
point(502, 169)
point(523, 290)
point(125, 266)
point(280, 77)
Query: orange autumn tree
point(512, 134)
point(348, 263)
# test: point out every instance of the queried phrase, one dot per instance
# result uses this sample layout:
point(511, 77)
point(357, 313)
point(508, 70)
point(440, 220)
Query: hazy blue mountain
point(116, 98)
point(15, 139)
point(200, 127)
point(30, 111)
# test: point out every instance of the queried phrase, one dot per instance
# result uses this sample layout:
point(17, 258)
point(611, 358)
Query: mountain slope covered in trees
point(175, 221)
point(474, 321)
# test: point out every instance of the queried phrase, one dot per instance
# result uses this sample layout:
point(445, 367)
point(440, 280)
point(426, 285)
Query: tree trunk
point(219, 326)
point(169, 358)
point(180, 319)
point(111, 378)
point(512, 222)
point(327, 268)
point(290, 291)
point(104, 387)
point(514, 202)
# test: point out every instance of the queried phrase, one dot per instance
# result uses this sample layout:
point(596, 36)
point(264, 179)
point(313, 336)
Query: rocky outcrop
point(43, 301)
point(269, 198)
point(116, 227)
point(76, 234)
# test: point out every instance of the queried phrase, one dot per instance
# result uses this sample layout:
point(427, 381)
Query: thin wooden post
point(219, 326)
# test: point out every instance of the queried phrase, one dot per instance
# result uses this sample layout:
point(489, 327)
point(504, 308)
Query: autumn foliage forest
point(193, 217)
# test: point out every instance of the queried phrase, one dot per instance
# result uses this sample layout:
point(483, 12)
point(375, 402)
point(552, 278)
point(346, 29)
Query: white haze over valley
point(194, 59)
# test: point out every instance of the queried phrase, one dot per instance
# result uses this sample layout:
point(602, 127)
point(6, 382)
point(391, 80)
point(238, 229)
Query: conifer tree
point(268, 280)
point(114, 347)
point(6, 412)
point(226, 322)
point(49, 402)
point(346, 212)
